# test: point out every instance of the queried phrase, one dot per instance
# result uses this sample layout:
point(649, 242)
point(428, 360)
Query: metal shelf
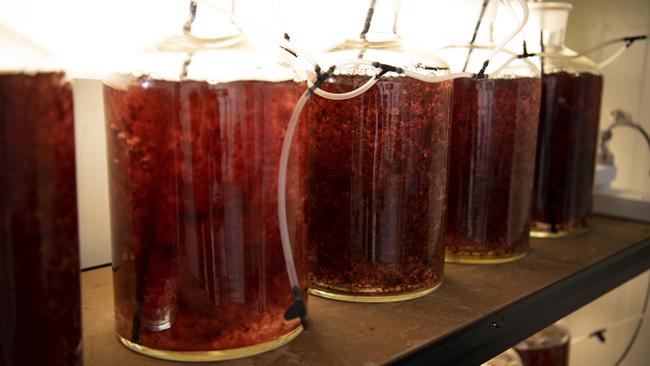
point(477, 313)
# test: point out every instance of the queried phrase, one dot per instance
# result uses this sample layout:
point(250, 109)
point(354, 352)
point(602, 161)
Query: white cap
point(550, 16)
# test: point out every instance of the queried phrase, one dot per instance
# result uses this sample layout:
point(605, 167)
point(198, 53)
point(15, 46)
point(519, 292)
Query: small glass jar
point(40, 298)
point(377, 172)
point(550, 347)
point(492, 152)
point(568, 128)
point(194, 134)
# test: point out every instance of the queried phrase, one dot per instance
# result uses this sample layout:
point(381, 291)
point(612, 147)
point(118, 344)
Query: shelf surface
point(479, 311)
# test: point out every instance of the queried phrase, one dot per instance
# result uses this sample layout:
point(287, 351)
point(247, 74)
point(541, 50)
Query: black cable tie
point(385, 69)
point(525, 49)
point(366, 23)
point(320, 77)
point(526, 55)
point(290, 51)
point(481, 74)
point(288, 39)
point(297, 309)
point(632, 39)
point(420, 65)
point(600, 334)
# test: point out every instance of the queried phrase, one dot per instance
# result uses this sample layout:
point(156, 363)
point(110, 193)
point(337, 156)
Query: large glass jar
point(492, 152)
point(194, 139)
point(568, 128)
point(549, 347)
point(40, 305)
point(377, 172)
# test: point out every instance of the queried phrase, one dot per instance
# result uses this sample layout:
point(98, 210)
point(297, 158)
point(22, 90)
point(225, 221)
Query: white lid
point(550, 16)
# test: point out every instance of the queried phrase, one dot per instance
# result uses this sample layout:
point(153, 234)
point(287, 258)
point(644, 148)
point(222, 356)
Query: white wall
point(92, 180)
point(627, 80)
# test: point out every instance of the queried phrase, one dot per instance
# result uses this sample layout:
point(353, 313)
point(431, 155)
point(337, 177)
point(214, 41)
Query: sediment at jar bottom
point(40, 305)
point(377, 171)
point(197, 256)
point(566, 153)
point(491, 168)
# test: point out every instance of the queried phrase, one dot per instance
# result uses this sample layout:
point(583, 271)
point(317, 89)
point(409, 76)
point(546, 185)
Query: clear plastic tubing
point(601, 64)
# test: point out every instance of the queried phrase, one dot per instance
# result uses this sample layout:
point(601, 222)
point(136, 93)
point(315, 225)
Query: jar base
point(482, 260)
point(216, 355)
point(369, 298)
point(539, 234)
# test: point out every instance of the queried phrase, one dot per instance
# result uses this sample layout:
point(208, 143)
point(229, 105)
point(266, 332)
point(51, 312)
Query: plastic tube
point(513, 34)
point(282, 189)
point(628, 42)
point(610, 59)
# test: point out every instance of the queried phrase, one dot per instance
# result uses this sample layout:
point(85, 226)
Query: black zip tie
point(288, 39)
point(297, 309)
point(599, 334)
point(366, 23)
point(386, 68)
point(420, 65)
point(481, 74)
point(320, 77)
point(187, 27)
point(525, 48)
point(630, 40)
point(526, 55)
point(542, 49)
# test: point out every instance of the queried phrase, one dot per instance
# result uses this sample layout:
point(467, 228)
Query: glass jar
point(194, 135)
point(377, 172)
point(550, 347)
point(40, 304)
point(492, 152)
point(568, 128)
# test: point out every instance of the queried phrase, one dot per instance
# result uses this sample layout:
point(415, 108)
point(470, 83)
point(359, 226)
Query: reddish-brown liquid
point(40, 308)
point(491, 167)
point(566, 151)
point(557, 355)
point(377, 178)
point(193, 167)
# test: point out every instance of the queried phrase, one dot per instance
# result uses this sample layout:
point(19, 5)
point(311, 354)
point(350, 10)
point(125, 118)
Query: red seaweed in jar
point(566, 153)
point(40, 305)
point(550, 347)
point(377, 179)
point(193, 167)
point(491, 168)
